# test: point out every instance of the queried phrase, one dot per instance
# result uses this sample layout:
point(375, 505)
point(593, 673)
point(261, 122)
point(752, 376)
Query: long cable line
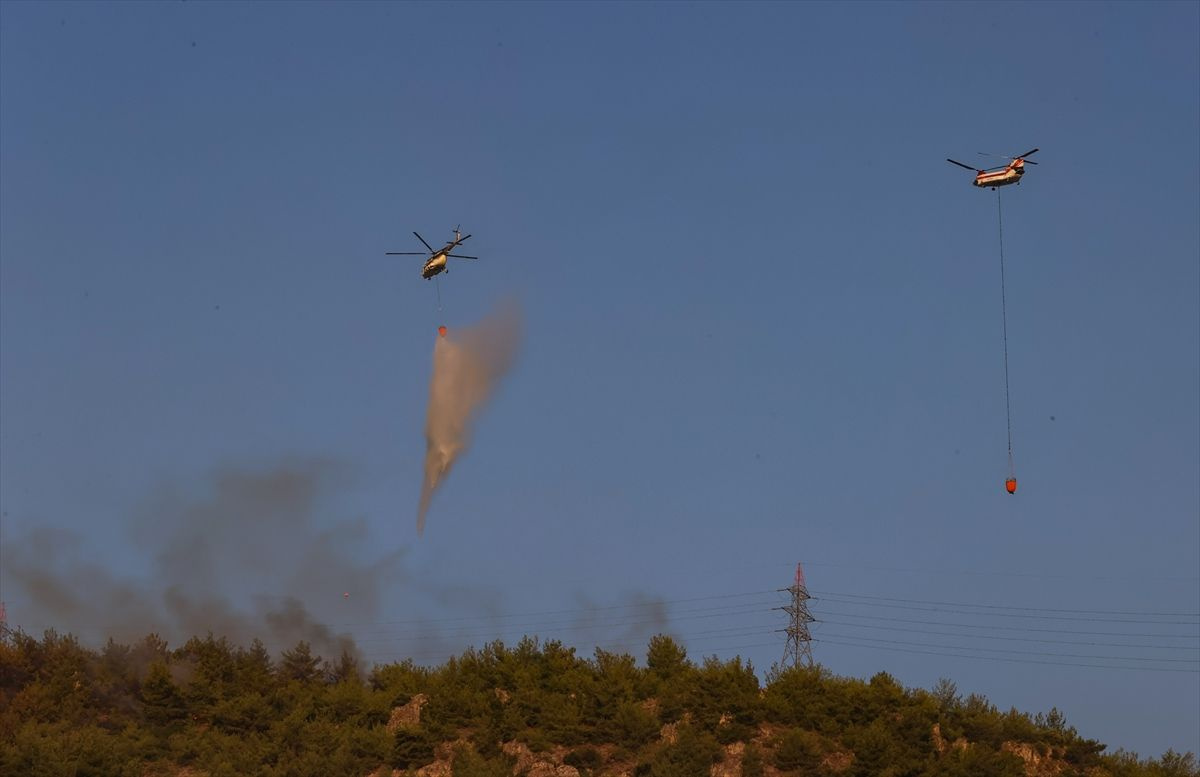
point(1012, 628)
point(1012, 660)
point(1013, 639)
point(1112, 667)
point(934, 571)
point(584, 618)
point(639, 614)
point(518, 633)
point(833, 596)
point(649, 613)
point(1004, 319)
point(740, 631)
point(1010, 614)
point(961, 651)
point(508, 631)
point(715, 641)
point(485, 628)
point(740, 614)
point(636, 620)
point(1007, 651)
point(518, 630)
point(572, 611)
point(1009, 606)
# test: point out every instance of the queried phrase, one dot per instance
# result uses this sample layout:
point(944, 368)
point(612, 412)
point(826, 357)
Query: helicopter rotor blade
point(967, 167)
point(463, 239)
point(460, 256)
point(1008, 156)
point(423, 242)
point(1027, 153)
point(405, 253)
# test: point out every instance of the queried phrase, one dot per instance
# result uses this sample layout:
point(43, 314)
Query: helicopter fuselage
point(435, 265)
point(1002, 177)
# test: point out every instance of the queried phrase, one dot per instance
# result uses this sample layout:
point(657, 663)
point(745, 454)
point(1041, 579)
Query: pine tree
point(299, 663)
point(163, 705)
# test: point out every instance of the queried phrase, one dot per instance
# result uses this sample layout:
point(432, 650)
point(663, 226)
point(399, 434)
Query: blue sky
point(762, 314)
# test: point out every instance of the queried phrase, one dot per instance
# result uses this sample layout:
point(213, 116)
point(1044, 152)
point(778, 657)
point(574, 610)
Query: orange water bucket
point(1010, 485)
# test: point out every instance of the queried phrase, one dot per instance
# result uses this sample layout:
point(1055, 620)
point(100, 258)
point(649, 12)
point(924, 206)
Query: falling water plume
point(467, 365)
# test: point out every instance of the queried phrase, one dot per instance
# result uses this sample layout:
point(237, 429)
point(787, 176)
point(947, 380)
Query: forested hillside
point(212, 708)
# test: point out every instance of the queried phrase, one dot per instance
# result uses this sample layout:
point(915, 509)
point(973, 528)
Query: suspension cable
point(1004, 319)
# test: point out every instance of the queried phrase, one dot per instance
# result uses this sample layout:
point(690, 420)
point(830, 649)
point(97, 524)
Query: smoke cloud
point(467, 366)
point(620, 628)
point(246, 558)
point(261, 553)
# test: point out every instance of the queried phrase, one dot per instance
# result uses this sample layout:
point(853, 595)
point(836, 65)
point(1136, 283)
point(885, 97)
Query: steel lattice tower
point(798, 651)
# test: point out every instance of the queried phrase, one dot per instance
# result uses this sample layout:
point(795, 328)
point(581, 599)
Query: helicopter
point(999, 176)
point(436, 263)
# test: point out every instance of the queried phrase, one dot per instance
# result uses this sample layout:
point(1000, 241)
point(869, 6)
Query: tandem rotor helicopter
point(999, 176)
point(436, 263)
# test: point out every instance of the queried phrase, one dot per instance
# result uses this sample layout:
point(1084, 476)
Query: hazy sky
point(762, 319)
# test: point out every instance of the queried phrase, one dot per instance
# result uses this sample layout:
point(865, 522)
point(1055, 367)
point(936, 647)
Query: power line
point(577, 615)
point(745, 605)
point(894, 645)
point(572, 611)
point(747, 629)
point(1012, 639)
point(521, 629)
point(581, 612)
point(485, 627)
point(1014, 628)
point(1023, 652)
point(934, 571)
point(1014, 660)
point(1010, 615)
point(1010, 607)
point(834, 597)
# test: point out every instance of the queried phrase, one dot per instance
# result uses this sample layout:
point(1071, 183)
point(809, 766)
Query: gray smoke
point(252, 538)
point(467, 366)
point(620, 628)
point(258, 553)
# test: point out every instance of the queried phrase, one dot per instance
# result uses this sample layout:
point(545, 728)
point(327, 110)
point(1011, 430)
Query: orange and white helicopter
point(436, 263)
point(1000, 176)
